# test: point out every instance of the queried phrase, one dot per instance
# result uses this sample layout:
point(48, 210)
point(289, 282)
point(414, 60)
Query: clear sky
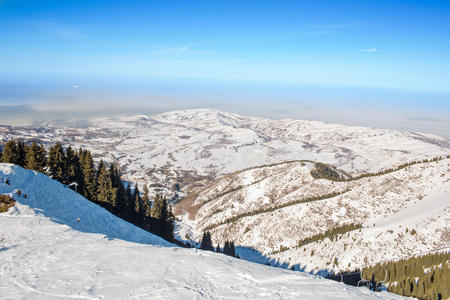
point(391, 54)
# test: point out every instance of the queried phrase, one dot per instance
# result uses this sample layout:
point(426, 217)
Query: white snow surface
point(388, 207)
point(48, 254)
point(177, 145)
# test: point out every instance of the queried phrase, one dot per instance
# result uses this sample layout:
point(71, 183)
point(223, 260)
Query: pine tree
point(88, 170)
point(145, 196)
point(146, 201)
point(170, 227)
point(229, 249)
point(56, 163)
point(118, 201)
point(74, 174)
point(138, 212)
point(106, 194)
point(207, 242)
point(97, 171)
point(22, 153)
point(163, 220)
point(225, 248)
point(232, 249)
point(157, 213)
point(36, 158)
point(11, 153)
point(146, 207)
point(129, 203)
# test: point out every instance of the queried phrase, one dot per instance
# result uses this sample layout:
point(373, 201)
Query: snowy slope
point(189, 145)
point(49, 255)
point(389, 207)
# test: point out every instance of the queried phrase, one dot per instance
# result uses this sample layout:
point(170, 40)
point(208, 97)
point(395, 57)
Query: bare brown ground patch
point(5, 203)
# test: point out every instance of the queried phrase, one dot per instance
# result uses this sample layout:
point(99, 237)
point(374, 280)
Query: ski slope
point(48, 254)
point(431, 207)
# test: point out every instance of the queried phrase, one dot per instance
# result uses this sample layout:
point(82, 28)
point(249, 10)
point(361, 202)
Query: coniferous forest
point(102, 184)
point(422, 277)
point(99, 182)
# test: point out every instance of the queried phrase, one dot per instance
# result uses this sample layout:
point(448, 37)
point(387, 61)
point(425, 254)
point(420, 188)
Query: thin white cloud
point(369, 50)
point(179, 49)
point(75, 86)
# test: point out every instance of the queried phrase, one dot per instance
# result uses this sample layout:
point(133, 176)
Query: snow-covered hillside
point(184, 146)
point(48, 254)
point(402, 213)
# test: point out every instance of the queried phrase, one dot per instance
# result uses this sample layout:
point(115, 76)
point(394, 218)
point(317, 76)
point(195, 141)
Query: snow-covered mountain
point(185, 146)
point(270, 209)
point(48, 254)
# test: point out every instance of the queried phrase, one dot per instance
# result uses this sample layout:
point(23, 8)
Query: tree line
point(330, 233)
point(263, 210)
point(324, 171)
point(422, 277)
point(99, 182)
point(228, 248)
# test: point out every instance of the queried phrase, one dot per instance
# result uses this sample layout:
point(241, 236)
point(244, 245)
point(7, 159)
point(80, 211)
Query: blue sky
point(385, 53)
point(402, 44)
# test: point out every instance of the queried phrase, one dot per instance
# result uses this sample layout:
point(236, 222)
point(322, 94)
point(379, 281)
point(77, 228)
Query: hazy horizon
point(377, 63)
point(59, 99)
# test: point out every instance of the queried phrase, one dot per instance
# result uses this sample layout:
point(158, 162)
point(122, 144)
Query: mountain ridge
point(238, 207)
point(190, 145)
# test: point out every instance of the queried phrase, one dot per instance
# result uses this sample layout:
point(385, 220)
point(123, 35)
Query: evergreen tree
point(170, 221)
point(157, 207)
point(162, 218)
point(145, 196)
point(11, 153)
point(22, 153)
point(106, 194)
point(74, 174)
point(207, 242)
point(225, 248)
point(97, 171)
point(137, 207)
point(35, 158)
point(118, 201)
point(158, 215)
point(146, 201)
point(146, 208)
point(56, 163)
point(432, 284)
point(129, 203)
point(229, 249)
point(88, 170)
